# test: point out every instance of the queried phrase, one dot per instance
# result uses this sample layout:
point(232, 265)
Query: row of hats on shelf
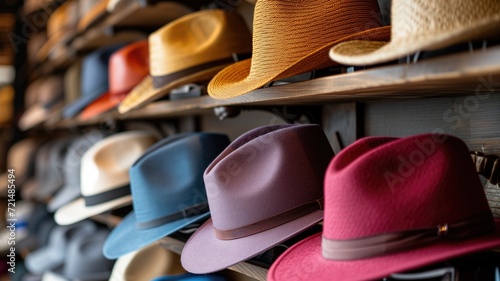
point(387, 204)
point(202, 46)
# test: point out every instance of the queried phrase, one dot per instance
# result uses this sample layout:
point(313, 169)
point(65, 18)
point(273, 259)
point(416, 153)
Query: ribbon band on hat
point(405, 240)
point(271, 222)
point(185, 213)
point(106, 196)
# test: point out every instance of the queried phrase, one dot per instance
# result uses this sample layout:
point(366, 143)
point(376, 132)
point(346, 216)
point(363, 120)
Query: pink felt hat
point(263, 189)
point(392, 205)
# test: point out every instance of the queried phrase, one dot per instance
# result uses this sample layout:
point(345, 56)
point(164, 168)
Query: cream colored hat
point(147, 263)
point(419, 25)
point(104, 176)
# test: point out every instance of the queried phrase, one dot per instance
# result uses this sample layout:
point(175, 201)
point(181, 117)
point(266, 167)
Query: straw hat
point(105, 176)
point(147, 263)
point(188, 50)
point(283, 47)
point(424, 25)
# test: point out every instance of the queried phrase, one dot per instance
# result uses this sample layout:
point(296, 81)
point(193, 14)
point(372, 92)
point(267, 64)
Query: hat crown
point(265, 172)
point(127, 67)
point(197, 38)
point(168, 178)
point(419, 18)
point(419, 182)
point(105, 166)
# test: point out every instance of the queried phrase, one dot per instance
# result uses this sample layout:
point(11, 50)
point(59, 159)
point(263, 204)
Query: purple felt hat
point(265, 188)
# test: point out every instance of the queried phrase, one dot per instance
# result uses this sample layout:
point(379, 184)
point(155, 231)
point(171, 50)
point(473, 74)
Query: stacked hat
point(264, 189)
point(393, 205)
point(105, 176)
point(19, 157)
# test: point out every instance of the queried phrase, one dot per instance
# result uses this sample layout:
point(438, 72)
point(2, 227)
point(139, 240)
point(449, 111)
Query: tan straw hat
point(425, 25)
point(147, 263)
point(292, 37)
point(188, 50)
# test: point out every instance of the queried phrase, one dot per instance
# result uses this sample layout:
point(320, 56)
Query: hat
point(60, 28)
point(42, 97)
point(84, 259)
point(147, 263)
point(105, 176)
point(6, 104)
point(94, 80)
point(92, 13)
point(18, 158)
point(42, 171)
point(71, 170)
point(283, 47)
point(40, 224)
point(71, 82)
point(424, 25)
point(168, 191)
point(189, 49)
point(191, 277)
point(393, 205)
point(54, 254)
point(265, 188)
point(127, 67)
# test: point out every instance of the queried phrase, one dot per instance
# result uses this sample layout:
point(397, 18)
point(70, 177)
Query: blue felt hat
point(168, 192)
point(94, 81)
point(190, 277)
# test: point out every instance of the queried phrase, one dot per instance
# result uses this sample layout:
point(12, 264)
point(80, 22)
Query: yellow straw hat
point(292, 37)
point(424, 25)
point(190, 49)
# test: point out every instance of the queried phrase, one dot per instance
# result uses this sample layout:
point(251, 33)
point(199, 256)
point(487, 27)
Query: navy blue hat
point(94, 81)
point(168, 192)
point(190, 277)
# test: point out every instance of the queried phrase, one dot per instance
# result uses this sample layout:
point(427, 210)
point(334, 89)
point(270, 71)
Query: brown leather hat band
point(271, 222)
point(400, 241)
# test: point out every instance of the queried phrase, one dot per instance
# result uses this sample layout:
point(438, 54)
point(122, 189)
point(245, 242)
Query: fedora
point(168, 191)
point(284, 48)
point(92, 12)
point(61, 26)
point(19, 157)
point(189, 49)
point(424, 25)
point(71, 170)
point(105, 176)
point(53, 255)
point(6, 104)
point(191, 277)
point(147, 263)
point(127, 67)
point(265, 188)
point(47, 95)
point(94, 79)
point(393, 205)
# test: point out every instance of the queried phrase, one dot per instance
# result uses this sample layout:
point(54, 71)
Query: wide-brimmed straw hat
point(105, 176)
point(394, 205)
point(190, 49)
point(292, 37)
point(264, 189)
point(420, 25)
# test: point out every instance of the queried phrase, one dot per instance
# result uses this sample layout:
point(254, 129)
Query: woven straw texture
point(425, 25)
point(195, 39)
point(292, 37)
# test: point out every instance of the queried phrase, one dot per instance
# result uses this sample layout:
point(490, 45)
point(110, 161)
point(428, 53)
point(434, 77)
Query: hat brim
point(304, 261)
point(100, 106)
point(361, 52)
point(235, 80)
point(74, 108)
point(126, 237)
point(76, 211)
point(144, 92)
point(204, 253)
point(65, 195)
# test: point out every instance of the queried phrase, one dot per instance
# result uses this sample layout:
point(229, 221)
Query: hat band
point(185, 213)
point(274, 221)
point(405, 240)
point(160, 81)
point(107, 196)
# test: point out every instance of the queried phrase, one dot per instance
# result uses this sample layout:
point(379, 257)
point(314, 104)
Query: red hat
point(392, 205)
point(127, 67)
